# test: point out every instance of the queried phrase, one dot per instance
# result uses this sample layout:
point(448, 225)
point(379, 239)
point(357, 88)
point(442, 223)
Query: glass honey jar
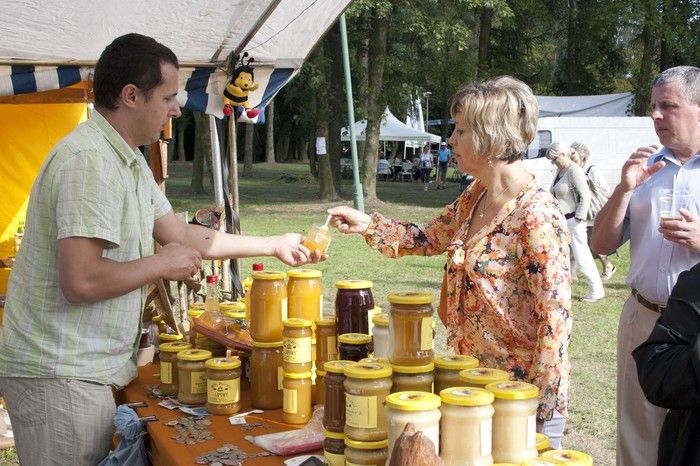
point(480, 377)
point(380, 335)
point(465, 428)
point(447, 370)
point(353, 346)
point(296, 405)
point(266, 375)
point(193, 315)
point(319, 388)
point(334, 412)
point(326, 343)
point(296, 349)
point(410, 329)
point(412, 378)
point(168, 366)
point(366, 387)
point(334, 448)
point(353, 301)
point(373, 453)
point(268, 305)
point(192, 378)
point(305, 294)
point(418, 408)
point(223, 385)
point(514, 421)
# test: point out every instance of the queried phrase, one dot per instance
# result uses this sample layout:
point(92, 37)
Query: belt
point(569, 215)
point(646, 303)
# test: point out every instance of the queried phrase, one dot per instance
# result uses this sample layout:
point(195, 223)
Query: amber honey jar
point(334, 448)
point(363, 453)
point(480, 377)
point(334, 412)
point(168, 366)
point(326, 343)
point(192, 377)
point(412, 378)
point(268, 305)
point(296, 406)
point(223, 385)
point(353, 346)
point(305, 294)
point(296, 349)
point(447, 369)
point(353, 301)
point(319, 388)
point(366, 387)
point(266, 375)
point(410, 329)
point(217, 349)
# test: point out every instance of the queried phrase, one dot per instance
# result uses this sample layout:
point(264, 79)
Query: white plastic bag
point(295, 441)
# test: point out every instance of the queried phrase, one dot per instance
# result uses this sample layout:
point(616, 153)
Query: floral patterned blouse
point(508, 288)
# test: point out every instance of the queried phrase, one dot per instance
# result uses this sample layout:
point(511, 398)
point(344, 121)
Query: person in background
point(668, 367)
point(659, 250)
point(426, 166)
point(444, 155)
point(397, 167)
point(506, 294)
point(77, 290)
point(580, 156)
point(571, 190)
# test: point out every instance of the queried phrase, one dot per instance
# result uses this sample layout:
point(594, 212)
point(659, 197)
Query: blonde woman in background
point(571, 190)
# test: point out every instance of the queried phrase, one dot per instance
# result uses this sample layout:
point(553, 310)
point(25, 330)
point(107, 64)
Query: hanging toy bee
point(241, 84)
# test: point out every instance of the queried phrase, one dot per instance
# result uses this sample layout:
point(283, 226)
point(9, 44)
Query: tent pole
point(359, 200)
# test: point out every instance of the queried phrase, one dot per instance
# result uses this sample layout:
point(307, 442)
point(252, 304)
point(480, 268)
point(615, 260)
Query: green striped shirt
point(91, 185)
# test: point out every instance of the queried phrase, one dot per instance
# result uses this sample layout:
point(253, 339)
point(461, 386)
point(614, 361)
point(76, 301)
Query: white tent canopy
point(391, 129)
point(586, 105)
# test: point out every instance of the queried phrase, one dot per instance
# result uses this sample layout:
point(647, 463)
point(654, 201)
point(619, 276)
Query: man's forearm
point(607, 231)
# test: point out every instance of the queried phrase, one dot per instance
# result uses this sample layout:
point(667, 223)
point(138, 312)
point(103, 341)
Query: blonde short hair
point(502, 113)
point(558, 149)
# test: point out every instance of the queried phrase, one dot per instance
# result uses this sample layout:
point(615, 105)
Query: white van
point(611, 140)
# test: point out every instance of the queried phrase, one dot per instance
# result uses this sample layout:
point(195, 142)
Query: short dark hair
point(130, 59)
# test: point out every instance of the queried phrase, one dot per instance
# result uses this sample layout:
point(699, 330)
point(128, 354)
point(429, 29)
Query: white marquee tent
point(391, 129)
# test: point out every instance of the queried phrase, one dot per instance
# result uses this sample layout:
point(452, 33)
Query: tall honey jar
point(296, 349)
point(380, 335)
point(296, 406)
point(305, 294)
point(465, 428)
point(266, 375)
point(319, 388)
point(334, 448)
point(410, 328)
point(447, 369)
point(326, 343)
point(268, 305)
point(480, 377)
point(418, 408)
point(374, 453)
point(334, 412)
point(353, 301)
point(412, 378)
point(514, 420)
point(366, 387)
point(168, 366)
point(223, 385)
point(192, 377)
point(353, 346)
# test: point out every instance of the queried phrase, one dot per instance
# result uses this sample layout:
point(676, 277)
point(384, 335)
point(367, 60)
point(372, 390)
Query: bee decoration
point(242, 83)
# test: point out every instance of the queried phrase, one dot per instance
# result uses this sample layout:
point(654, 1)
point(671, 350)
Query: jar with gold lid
point(366, 388)
point(268, 305)
point(326, 343)
point(410, 328)
point(353, 346)
point(296, 405)
point(334, 411)
point(305, 294)
point(234, 315)
point(412, 378)
point(192, 378)
point(296, 350)
point(377, 360)
point(168, 366)
point(334, 448)
point(223, 385)
point(217, 349)
point(514, 420)
point(193, 314)
point(366, 453)
point(353, 301)
point(168, 338)
point(465, 428)
point(380, 335)
point(266, 375)
point(319, 388)
point(418, 408)
point(569, 457)
point(481, 376)
point(541, 443)
point(447, 370)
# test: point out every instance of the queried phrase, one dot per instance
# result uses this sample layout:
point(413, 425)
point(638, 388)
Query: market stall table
point(166, 451)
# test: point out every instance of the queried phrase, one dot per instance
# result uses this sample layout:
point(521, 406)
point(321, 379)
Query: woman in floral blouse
point(506, 294)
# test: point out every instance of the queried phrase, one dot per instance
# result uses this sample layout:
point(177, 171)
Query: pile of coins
point(227, 455)
point(191, 430)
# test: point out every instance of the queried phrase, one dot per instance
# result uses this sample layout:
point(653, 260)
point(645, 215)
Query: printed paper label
point(166, 372)
point(332, 348)
point(486, 436)
point(531, 431)
point(280, 376)
point(284, 309)
point(223, 392)
point(198, 383)
point(296, 350)
point(426, 334)
point(334, 459)
point(361, 411)
point(289, 401)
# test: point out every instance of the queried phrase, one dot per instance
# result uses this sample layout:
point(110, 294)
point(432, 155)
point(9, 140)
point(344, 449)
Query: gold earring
point(489, 162)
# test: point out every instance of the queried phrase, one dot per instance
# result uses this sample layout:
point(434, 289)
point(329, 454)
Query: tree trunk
point(181, 157)
point(338, 112)
point(248, 150)
point(283, 135)
point(485, 20)
point(270, 133)
point(645, 67)
point(202, 146)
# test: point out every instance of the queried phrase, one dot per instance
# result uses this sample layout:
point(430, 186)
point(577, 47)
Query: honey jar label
point(320, 307)
point(334, 459)
point(280, 376)
point(531, 431)
point(348, 463)
point(297, 350)
point(283, 305)
point(166, 372)
point(223, 392)
point(361, 411)
point(486, 432)
point(198, 383)
point(426, 334)
point(289, 401)
point(332, 348)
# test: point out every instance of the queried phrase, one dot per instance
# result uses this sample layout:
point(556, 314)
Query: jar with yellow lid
point(160, 323)
point(366, 388)
point(217, 349)
point(380, 335)
point(223, 385)
point(168, 366)
point(334, 448)
point(326, 343)
point(266, 375)
point(371, 314)
point(410, 328)
point(447, 370)
point(234, 314)
point(418, 408)
point(192, 377)
point(412, 378)
point(569, 457)
point(305, 294)
point(353, 301)
point(373, 453)
point(514, 420)
point(193, 314)
point(541, 443)
point(465, 428)
point(353, 346)
point(296, 352)
point(296, 405)
point(268, 305)
point(334, 410)
point(319, 388)
point(540, 461)
point(480, 377)
point(168, 338)
point(377, 360)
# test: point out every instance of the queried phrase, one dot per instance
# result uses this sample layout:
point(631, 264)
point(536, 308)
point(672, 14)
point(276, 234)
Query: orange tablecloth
point(168, 453)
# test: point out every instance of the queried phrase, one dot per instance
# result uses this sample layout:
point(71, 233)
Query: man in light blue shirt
point(659, 249)
point(444, 155)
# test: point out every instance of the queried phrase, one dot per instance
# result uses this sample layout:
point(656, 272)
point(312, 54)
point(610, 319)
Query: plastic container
point(447, 370)
point(412, 378)
point(334, 412)
point(380, 335)
point(419, 408)
point(514, 421)
point(410, 329)
point(168, 366)
point(318, 238)
point(305, 294)
point(569, 457)
point(353, 346)
point(296, 406)
point(296, 352)
point(353, 301)
point(268, 306)
point(362, 453)
point(326, 343)
point(192, 378)
point(212, 317)
point(366, 388)
point(481, 376)
point(467, 415)
point(223, 385)
point(266, 375)
point(334, 448)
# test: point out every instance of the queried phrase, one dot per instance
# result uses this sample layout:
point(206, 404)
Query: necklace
point(494, 199)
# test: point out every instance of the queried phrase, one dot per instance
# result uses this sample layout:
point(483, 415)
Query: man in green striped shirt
point(76, 293)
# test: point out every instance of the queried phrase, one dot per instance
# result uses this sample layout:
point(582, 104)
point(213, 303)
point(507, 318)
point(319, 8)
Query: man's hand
point(635, 170)
point(179, 262)
point(685, 232)
point(289, 249)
